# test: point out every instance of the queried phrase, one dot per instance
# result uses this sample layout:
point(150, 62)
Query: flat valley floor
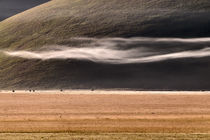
point(105, 114)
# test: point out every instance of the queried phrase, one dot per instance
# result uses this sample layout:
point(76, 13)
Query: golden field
point(105, 113)
point(78, 112)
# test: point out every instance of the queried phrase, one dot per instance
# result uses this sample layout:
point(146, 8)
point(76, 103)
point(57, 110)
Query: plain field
point(108, 111)
point(104, 115)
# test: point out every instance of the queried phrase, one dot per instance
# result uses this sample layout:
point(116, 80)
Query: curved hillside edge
point(9, 8)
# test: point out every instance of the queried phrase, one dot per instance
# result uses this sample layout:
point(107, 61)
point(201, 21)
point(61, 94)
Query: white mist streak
point(109, 55)
point(149, 39)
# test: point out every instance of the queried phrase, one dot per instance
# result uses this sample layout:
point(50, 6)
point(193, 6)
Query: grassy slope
point(56, 21)
point(61, 19)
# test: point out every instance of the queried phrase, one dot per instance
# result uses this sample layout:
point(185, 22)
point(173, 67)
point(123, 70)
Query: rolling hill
point(58, 21)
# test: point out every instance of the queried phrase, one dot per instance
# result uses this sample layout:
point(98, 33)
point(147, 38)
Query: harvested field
point(107, 113)
point(102, 136)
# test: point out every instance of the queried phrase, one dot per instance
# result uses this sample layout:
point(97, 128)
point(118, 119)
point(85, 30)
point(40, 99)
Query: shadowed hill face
point(57, 21)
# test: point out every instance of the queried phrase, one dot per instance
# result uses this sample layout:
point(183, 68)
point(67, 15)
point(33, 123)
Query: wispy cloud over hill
point(122, 50)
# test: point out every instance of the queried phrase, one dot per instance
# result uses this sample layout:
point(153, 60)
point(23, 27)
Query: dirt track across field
point(142, 113)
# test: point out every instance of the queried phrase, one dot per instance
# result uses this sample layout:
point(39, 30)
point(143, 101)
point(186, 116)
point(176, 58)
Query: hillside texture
point(59, 20)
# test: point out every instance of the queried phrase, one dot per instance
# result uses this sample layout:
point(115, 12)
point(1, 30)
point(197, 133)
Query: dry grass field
point(86, 114)
point(102, 136)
